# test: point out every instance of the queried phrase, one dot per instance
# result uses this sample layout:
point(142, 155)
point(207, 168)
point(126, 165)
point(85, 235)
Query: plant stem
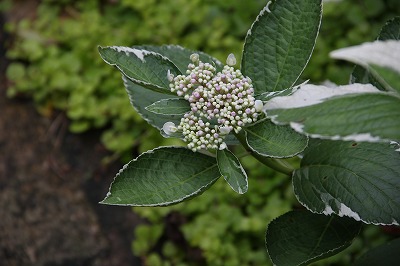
point(276, 164)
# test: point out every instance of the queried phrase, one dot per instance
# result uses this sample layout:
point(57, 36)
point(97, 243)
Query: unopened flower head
point(220, 102)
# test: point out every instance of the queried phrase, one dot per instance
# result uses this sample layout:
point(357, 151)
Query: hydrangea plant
point(347, 137)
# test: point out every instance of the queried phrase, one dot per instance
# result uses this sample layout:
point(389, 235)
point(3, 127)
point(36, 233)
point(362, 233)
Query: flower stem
point(274, 163)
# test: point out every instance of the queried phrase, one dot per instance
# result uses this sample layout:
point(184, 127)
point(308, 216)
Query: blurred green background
point(54, 60)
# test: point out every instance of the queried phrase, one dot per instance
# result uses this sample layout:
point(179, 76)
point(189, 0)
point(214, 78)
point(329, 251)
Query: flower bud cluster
point(220, 102)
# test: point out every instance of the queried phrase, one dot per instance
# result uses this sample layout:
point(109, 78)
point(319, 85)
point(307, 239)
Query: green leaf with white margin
point(358, 180)
point(301, 237)
point(141, 97)
point(270, 140)
point(391, 31)
point(169, 107)
point(357, 112)
point(180, 56)
point(279, 44)
point(145, 68)
point(163, 176)
point(382, 54)
point(386, 254)
point(232, 171)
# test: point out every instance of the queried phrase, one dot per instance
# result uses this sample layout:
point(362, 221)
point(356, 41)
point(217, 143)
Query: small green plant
point(346, 136)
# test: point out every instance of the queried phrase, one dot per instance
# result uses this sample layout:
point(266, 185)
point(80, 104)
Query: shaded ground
point(50, 183)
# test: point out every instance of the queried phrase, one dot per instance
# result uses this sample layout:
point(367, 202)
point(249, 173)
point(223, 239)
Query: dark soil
point(50, 184)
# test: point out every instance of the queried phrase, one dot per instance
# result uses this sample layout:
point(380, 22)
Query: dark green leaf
point(391, 30)
point(387, 254)
point(280, 42)
point(145, 68)
point(359, 180)
point(301, 237)
point(169, 107)
point(268, 139)
point(233, 172)
point(163, 176)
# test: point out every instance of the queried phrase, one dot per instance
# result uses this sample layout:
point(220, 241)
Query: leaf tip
point(104, 201)
point(100, 48)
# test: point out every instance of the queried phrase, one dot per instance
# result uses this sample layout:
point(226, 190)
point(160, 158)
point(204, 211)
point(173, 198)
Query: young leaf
point(232, 171)
point(141, 97)
point(268, 139)
point(301, 237)
point(387, 254)
point(163, 176)
point(280, 42)
point(169, 107)
point(353, 112)
point(180, 56)
point(145, 68)
point(359, 180)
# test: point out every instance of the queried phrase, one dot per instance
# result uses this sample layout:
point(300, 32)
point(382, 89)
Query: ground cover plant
point(347, 137)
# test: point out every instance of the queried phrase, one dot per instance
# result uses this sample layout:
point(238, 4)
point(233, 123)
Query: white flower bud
point(258, 105)
point(169, 128)
point(225, 130)
point(170, 76)
point(223, 146)
point(194, 58)
point(231, 60)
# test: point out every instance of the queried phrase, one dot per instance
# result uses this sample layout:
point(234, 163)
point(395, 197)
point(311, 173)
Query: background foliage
point(54, 60)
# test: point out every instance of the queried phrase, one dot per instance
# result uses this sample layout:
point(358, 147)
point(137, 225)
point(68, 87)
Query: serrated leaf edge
point(269, 155)
point(311, 259)
point(158, 204)
point(127, 50)
point(394, 222)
